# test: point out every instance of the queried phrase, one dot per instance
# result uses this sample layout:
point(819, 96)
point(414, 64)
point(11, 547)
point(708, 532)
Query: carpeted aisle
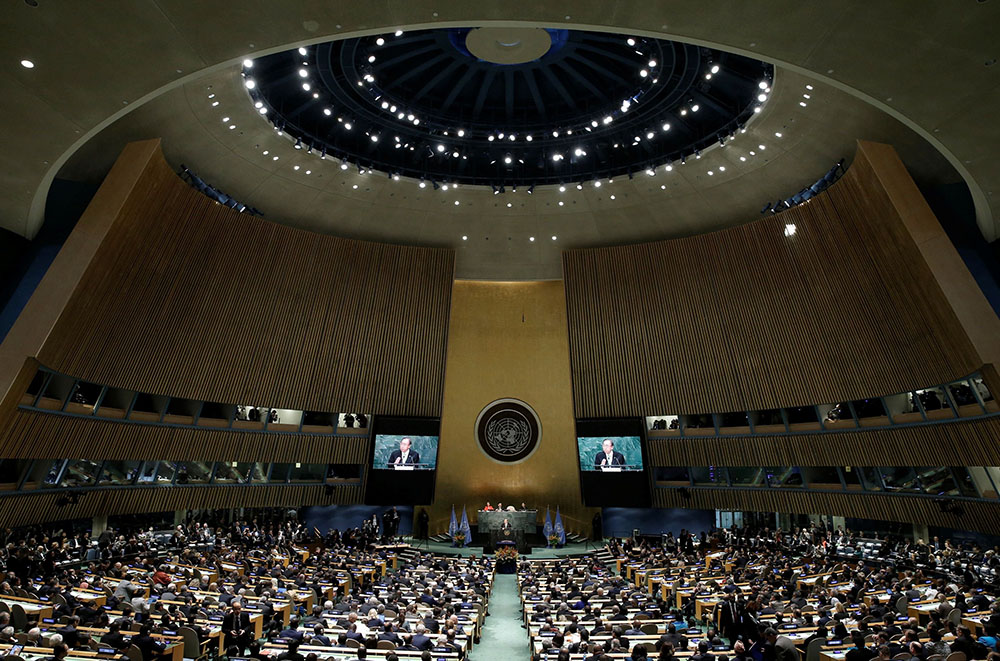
point(503, 638)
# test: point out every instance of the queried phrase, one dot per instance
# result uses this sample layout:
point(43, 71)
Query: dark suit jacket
point(422, 642)
point(617, 458)
point(412, 458)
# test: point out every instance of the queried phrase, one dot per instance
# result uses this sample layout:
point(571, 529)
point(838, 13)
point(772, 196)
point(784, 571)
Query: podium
point(522, 524)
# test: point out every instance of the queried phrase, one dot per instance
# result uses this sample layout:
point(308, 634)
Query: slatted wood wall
point(41, 507)
point(41, 435)
point(188, 298)
point(962, 443)
point(748, 318)
point(979, 516)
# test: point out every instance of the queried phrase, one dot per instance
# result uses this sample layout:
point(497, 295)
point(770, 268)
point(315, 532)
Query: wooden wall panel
point(960, 443)
point(186, 297)
point(41, 507)
point(51, 436)
point(747, 318)
point(980, 516)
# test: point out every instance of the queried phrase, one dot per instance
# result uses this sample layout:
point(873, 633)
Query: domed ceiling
point(507, 106)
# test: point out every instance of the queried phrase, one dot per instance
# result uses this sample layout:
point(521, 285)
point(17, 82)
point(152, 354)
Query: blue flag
point(558, 528)
point(453, 526)
point(547, 528)
point(464, 527)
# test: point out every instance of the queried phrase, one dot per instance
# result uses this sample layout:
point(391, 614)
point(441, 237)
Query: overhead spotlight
point(715, 69)
point(298, 143)
point(395, 177)
point(249, 83)
point(496, 191)
point(665, 127)
point(440, 148)
point(630, 41)
point(669, 167)
point(608, 119)
point(380, 41)
point(423, 184)
point(247, 63)
point(562, 189)
point(762, 84)
point(444, 187)
point(399, 33)
point(302, 50)
point(343, 166)
point(371, 59)
point(695, 108)
point(597, 184)
point(643, 73)
point(304, 73)
point(557, 157)
point(507, 159)
point(650, 171)
point(579, 186)
point(649, 136)
point(683, 159)
point(309, 150)
point(531, 189)
point(594, 123)
point(491, 138)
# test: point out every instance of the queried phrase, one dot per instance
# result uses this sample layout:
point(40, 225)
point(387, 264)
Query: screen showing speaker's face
point(610, 454)
point(405, 452)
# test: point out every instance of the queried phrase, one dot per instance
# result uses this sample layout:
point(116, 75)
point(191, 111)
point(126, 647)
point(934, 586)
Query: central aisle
point(503, 638)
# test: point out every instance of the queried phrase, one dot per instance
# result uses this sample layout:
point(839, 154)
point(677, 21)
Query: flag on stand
point(464, 527)
point(547, 528)
point(452, 526)
point(558, 529)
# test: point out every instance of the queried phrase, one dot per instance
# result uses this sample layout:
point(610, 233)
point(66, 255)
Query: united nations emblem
point(508, 430)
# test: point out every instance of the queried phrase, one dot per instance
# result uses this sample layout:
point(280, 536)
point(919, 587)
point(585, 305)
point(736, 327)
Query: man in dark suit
point(320, 637)
point(149, 646)
point(236, 628)
point(729, 617)
point(608, 456)
point(404, 455)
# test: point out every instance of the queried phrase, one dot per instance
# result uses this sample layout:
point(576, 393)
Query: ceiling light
point(630, 41)
point(440, 148)
point(395, 177)
point(509, 205)
point(561, 202)
point(265, 152)
point(507, 159)
point(708, 76)
point(650, 171)
point(715, 69)
point(777, 134)
point(461, 133)
point(247, 63)
point(232, 126)
point(695, 108)
point(683, 111)
point(593, 123)
point(423, 184)
point(579, 186)
point(612, 197)
point(347, 125)
point(275, 158)
point(512, 136)
point(295, 167)
point(374, 138)
point(710, 173)
point(355, 187)
point(444, 187)
point(597, 184)
point(309, 171)
point(652, 63)
point(454, 154)
point(399, 33)
point(225, 119)
point(327, 112)
point(803, 104)
point(303, 73)
point(457, 203)
point(531, 238)
point(555, 134)
point(215, 103)
point(790, 229)
point(669, 168)
point(491, 138)
point(762, 84)
point(557, 157)
point(562, 189)
point(756, 109)
point(380, 41)
point(302, 50)
point(649, 136)
point(722, 168)
point(371, 59)
point(761, 147)
point(343, 166)
point(249, 83)
point(305, 86)
point(762, 97)
point(743, 158)
point(643, 73)
point(262, 111)
point(553, 238)
point(809, 87)
point(528, 138)
point(665, 127)
point(806, 96)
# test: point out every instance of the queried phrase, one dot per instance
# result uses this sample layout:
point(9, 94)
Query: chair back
point(814, 648)
point(649, 629)
point(18, 617)
point(385, 645)
point(955, 656)
point(955, 616)
point(192, 648)
point(353, 642)
point(901, 604)
point(133, 653)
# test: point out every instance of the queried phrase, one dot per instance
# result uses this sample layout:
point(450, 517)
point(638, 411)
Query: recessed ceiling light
point(296, 167)
point(380, 41)
point(777, 134)
point(612, 197)
point(509, 205)
point(302, 50)
point(247, 63)
point(249, 83)
point(560, 202)
point(457, 203)
point(399, 33)
point(531, 238)
point(553, 238)
point(215, 103)
point(27, 64)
